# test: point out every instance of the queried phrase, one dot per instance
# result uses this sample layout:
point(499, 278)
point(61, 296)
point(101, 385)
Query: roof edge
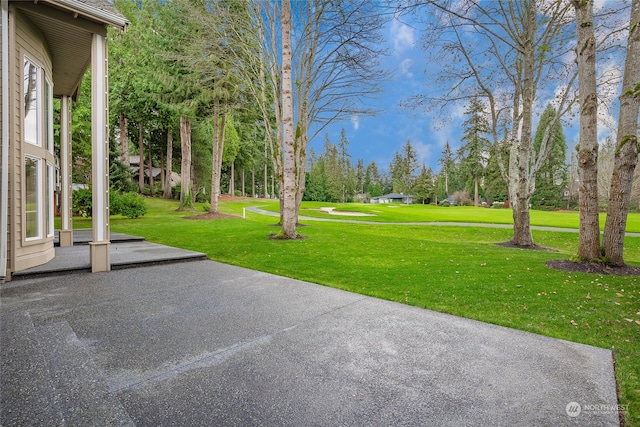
point(110, 18)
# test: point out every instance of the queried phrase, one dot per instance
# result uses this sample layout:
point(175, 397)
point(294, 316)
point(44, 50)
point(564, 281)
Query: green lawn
point(457, 270)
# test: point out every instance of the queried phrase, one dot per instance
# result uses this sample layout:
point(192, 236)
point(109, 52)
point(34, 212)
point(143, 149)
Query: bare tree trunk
point(124, 140)
point(169, 168)
point(253, 182)
point(152, 189)
point(141, 158)
point(289, 164)
point(232, 179)
point(589, 240)
point(185, 143)
point(219, 119)
point(242, 181)
point(476, 196)
point(626, 153)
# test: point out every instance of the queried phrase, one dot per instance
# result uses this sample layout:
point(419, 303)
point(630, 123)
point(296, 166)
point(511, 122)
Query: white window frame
point(38, 104)
point(48, 113)
point(49, 199)
point(39, 199)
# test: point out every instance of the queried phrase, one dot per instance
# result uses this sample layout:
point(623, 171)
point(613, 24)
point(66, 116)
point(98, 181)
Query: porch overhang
point(68, 26)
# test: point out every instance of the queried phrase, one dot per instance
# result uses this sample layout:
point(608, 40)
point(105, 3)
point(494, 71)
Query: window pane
point(48, 115)
point(32, 208)
point(31, 121)
point(49, 200)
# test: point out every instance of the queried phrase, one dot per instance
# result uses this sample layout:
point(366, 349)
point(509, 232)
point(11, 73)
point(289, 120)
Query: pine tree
point(552, 175)
point(473, 154)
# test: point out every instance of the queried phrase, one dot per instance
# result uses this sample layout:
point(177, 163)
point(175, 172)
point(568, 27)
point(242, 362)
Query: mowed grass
point(452, 269)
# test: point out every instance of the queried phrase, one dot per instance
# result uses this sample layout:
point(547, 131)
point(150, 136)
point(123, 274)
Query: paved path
point(256, 209)
point(204, 343)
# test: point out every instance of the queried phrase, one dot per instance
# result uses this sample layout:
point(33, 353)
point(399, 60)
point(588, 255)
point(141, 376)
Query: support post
point(100, 246)
point(66, 215)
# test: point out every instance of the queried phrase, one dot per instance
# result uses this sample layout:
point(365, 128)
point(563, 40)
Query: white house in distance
point(47, 45)
point(393, 198)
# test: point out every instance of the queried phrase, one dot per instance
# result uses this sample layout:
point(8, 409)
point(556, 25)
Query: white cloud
point(355, 121)
point(405, 65)
point(402, 36)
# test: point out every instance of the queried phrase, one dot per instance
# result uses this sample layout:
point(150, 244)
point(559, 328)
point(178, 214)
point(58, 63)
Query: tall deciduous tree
point(505, 52)
point(289, 181)
point(589, 240)
point(626, 152)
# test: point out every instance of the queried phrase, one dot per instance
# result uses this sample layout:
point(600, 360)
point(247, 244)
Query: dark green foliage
point(551, 179)
point(81, 202)
point(131, 205)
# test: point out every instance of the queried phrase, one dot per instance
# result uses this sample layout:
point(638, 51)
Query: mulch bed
point(578, 266)
point(592, 267)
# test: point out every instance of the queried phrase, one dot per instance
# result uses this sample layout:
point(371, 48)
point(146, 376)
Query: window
point(48, 115)
point(32, 121)
point(49, 198)
point(32, 198)
point(37, 136)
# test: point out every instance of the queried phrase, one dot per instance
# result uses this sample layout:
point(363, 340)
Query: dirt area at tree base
point(533, 247)
point(592, 267)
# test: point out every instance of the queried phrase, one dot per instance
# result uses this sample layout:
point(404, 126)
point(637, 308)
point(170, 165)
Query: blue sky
point(378, 138)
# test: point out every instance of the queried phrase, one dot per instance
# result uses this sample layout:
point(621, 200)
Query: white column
point(99, 247)
point(66, 229)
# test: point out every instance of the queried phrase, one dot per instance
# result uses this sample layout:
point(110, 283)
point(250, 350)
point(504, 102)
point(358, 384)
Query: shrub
point(81, 201)
point(131, 205)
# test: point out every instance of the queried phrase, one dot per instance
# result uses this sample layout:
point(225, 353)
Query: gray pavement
point(204, 343)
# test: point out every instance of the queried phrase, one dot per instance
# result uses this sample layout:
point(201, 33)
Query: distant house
point(393, 198)
point(46, 46)
point(134, 167)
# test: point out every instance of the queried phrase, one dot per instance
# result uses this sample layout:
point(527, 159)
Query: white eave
point(90, 11)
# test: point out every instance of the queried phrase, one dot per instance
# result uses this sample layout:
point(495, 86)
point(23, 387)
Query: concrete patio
point(205, 343)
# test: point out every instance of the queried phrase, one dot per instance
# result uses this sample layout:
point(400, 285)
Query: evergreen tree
point(551, 179)
point(473, 154)
point(424, 186)
point(446, 163)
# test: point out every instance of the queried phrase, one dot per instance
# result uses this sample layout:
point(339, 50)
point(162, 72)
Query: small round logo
point(573, 409)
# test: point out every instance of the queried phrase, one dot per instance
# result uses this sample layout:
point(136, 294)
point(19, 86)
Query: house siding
point(27, 42)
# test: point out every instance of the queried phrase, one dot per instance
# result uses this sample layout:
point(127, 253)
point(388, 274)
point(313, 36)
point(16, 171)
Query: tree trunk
point(520, 187)
point(589, 240)
point(626, 153)
point(232, 179)
point(242, 181)
point(185, 144)
point(169, 168)
point(141, 159)
point(253, 183)
point(152, 189)
point(124, 140)
point(476, 196)
point(289, 163)
point(219, 119)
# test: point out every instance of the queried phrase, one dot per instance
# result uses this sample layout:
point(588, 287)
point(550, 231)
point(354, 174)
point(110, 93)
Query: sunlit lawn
point(452, 269)
point(429, 213)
